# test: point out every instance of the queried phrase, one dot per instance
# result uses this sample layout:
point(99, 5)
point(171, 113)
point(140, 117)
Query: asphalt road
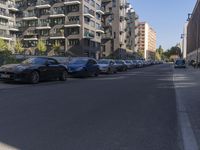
point(135, 110)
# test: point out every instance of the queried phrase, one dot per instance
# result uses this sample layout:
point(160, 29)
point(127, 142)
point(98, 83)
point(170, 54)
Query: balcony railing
point(72, 2)
point(30, 36)
point(72, 22)
point(29, 15)
point(5, 35)
point(57, 34)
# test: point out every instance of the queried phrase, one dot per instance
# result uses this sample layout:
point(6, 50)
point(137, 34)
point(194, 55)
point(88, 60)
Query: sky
point(167, 17)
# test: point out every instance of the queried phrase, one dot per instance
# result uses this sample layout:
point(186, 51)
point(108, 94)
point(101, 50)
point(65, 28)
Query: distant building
point(147, 40)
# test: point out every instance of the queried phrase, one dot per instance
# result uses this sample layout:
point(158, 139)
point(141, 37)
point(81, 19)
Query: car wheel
point(64, 76)
point(35, 77)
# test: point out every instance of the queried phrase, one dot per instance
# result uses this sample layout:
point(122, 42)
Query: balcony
point(12, 8)
point(42, 4)
point(41, 26)
point(72, 24)
point(30, 37)
point(107, 25)
point(57, 35)
point(100, 11)
point(88, 35)
point(13, 28)
point(107, 37)
point(106, 1)
point(55, 14)
point(72, 2)
point(30, 16)
point(4, 15)
point(5, 36)
point(100, 30)
point(107, 12)
point(89, 14)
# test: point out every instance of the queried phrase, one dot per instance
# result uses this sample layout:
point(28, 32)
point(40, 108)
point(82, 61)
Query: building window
point(73, 42)
point(73, 31)
point(72, 8)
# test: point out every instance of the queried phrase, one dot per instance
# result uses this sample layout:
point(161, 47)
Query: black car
point(34, 70)
point(180, 63)
point(83, 67)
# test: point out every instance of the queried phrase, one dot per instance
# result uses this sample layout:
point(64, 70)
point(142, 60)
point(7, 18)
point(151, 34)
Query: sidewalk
point(187, 86)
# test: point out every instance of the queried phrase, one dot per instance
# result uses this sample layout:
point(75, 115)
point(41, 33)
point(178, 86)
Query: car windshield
point(180, 62)
point(38, 61)
point(103, 62)
point(78, 61)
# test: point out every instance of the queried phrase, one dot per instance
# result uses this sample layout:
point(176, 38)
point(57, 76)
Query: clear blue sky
point(167, 17)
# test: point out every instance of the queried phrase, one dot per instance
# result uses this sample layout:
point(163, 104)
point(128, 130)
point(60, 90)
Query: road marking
point(187, 133)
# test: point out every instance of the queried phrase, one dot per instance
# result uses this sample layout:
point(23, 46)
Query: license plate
point(5, 76)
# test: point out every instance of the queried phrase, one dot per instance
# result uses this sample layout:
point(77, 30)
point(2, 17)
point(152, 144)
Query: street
point(134, 110)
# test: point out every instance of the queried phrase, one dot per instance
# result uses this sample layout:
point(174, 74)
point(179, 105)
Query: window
point(73, 31)
point(73, 42)
point(72, 8)
point(92, 23)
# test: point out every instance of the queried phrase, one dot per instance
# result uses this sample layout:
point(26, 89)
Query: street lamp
point(197, 36)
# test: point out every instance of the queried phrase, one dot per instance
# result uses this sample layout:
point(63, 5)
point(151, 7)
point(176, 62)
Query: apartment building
point(115, 27)
point(147, 40)
point(132, 30)
point(8, 27)
point(74, 24)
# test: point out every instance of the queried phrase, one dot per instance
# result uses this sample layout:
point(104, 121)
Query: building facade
point(132, 30)
point(193, 34)
point(8, 27)
point(147, 41)
point(74, 24)
point(115, 27)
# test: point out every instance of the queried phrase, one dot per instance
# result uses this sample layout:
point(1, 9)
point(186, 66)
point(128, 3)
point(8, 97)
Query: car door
point(92, 66)
point(112, 66)
point(54, 69)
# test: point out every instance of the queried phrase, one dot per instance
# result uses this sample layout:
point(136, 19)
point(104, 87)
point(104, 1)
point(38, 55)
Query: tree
point(159, 53)
point(56, 47)
point(18, 46)
point(41, 46)
point(140, 53)
point(3, 45)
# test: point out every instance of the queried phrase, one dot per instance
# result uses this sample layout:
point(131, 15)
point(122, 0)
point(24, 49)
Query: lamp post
point(197, 36)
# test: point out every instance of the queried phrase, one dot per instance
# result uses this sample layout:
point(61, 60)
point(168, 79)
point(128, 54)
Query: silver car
point(107, 66)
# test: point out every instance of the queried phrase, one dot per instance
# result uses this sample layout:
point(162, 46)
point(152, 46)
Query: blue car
point(83, 67)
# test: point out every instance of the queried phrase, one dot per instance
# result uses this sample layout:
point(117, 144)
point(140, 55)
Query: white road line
point(187, 133)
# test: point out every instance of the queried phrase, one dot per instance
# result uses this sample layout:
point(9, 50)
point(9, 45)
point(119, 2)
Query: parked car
point(34, 70)
point(83, 67)
point(129, 64)
point(180, 63)
point(107, 66)
point(121, 65)
point(139, 63)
